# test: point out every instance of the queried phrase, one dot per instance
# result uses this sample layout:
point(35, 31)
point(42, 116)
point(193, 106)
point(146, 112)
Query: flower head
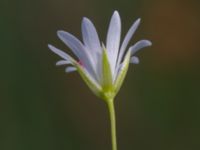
point(103, 68)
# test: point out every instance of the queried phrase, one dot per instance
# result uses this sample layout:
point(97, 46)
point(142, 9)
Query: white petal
point(127, 39)
point(73, 43)
point(79, 50)
point(70, 69)
point(134, 60)
point(92, 44)
point(113, 39)
point(61, 53)
point(139, 45)
point(63, 62)
point(90, 36)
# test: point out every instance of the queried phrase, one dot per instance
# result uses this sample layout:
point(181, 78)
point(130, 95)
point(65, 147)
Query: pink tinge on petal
point(80, 63)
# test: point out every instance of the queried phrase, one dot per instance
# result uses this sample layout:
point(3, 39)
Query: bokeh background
point(43, 108)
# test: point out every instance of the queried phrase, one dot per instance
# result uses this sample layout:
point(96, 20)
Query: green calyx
point(122, 73)
point(108, 88)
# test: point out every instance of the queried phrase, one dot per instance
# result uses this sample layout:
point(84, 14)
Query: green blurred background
point(42, 108)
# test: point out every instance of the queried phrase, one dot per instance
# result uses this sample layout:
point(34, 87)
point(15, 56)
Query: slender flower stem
point(111, 109)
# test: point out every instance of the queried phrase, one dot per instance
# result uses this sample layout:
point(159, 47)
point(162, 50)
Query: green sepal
point(122, 72)
point(94, 87)
point(107, 82)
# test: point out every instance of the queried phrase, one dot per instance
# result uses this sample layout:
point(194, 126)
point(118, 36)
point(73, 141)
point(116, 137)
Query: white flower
point(103, 68)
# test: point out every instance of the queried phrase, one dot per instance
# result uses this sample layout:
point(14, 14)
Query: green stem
point(111, 109)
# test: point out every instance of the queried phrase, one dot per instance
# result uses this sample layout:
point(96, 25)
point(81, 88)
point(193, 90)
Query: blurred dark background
point(43, 108)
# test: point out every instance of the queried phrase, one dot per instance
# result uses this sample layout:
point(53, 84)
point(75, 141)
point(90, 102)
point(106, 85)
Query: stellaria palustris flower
point(103, 68)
